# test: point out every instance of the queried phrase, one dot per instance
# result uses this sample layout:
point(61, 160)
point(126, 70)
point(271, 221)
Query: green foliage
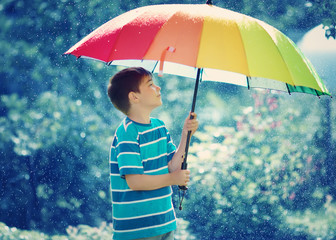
point(246, 178)
point(320, 224)
point(13, 233)
point(325, 10)
point(80, 232)
point(83, 232)
point(53, 163)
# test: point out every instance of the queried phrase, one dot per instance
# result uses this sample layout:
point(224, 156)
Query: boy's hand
point(181, 177)
point(190, 124)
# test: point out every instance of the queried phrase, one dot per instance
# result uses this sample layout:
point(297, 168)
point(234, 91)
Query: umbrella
point(205, 42)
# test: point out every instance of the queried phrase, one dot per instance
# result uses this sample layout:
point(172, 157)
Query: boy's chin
point(158, 105)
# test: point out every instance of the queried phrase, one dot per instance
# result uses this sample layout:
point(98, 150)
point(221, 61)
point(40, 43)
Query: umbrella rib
point(282, 57)
point(121, 29)
point(115, 43)
point(248, 82)
point(158, 32)
point(288, 89)
point(155, 66)
point(244, 49)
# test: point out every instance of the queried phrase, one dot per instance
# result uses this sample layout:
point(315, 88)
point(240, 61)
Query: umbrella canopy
point(227, 46)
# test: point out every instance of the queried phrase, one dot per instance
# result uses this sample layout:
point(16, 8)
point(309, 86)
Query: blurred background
point(263, 163)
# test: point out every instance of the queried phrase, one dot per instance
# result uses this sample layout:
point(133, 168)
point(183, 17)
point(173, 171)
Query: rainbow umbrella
point(206, 37)
point(205, 42)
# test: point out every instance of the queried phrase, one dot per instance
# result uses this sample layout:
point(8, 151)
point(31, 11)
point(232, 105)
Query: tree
point(325, 10)
point(54, 164)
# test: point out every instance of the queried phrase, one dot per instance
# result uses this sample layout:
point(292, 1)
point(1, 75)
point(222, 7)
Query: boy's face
point(150, 95)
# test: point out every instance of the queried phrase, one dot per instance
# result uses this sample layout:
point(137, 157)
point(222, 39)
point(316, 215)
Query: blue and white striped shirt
point(141, 149)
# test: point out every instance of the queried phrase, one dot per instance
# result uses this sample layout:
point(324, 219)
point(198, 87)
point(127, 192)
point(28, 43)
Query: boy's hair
point(122, 83)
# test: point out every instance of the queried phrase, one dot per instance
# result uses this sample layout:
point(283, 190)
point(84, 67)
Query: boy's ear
point(133, 97)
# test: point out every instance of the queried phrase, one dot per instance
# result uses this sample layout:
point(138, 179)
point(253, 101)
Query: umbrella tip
point(209, 2)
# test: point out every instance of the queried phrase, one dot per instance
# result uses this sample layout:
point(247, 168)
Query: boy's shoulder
point(128, 126)
point(126, 129)
point(130, 131)
point(156, 121)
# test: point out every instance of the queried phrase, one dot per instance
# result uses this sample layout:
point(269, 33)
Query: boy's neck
point(142, 117)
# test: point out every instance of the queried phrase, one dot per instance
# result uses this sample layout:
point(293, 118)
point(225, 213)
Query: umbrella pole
point(184, 163)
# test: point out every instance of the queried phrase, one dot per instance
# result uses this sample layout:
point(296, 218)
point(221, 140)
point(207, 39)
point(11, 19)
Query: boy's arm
point(176, 176)
point(189, 125)
point(143, 182)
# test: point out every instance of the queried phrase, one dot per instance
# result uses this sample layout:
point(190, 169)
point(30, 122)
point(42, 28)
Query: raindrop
point(308, 4)
point(24, 152)
point(57, 115)
point(97, 94)
point(256, 151)
point(16, 140)
point(97, 174)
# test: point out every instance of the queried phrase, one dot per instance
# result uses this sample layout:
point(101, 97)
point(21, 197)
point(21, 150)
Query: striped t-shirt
point(141, 149)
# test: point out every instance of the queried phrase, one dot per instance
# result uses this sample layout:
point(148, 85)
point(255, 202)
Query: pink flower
point(292, 196)
point(240, 125)
point(273, 106)
point(271, 101)
point(276, 124)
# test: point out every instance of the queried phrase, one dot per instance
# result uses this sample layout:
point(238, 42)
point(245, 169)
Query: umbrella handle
point(184, 163)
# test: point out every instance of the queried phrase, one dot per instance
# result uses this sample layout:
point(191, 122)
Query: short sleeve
point(128, 154)
point(171, 148)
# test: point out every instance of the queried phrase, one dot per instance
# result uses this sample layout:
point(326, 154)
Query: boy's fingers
point(193, 121)
point(193, 124)
point(193, 114)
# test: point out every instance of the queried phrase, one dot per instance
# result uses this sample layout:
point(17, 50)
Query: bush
point(246, 178)
point(54, 164)
point(81, 232)
point(317, 224)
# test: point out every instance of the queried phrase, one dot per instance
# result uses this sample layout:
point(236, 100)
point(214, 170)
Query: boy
point(144, 162)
